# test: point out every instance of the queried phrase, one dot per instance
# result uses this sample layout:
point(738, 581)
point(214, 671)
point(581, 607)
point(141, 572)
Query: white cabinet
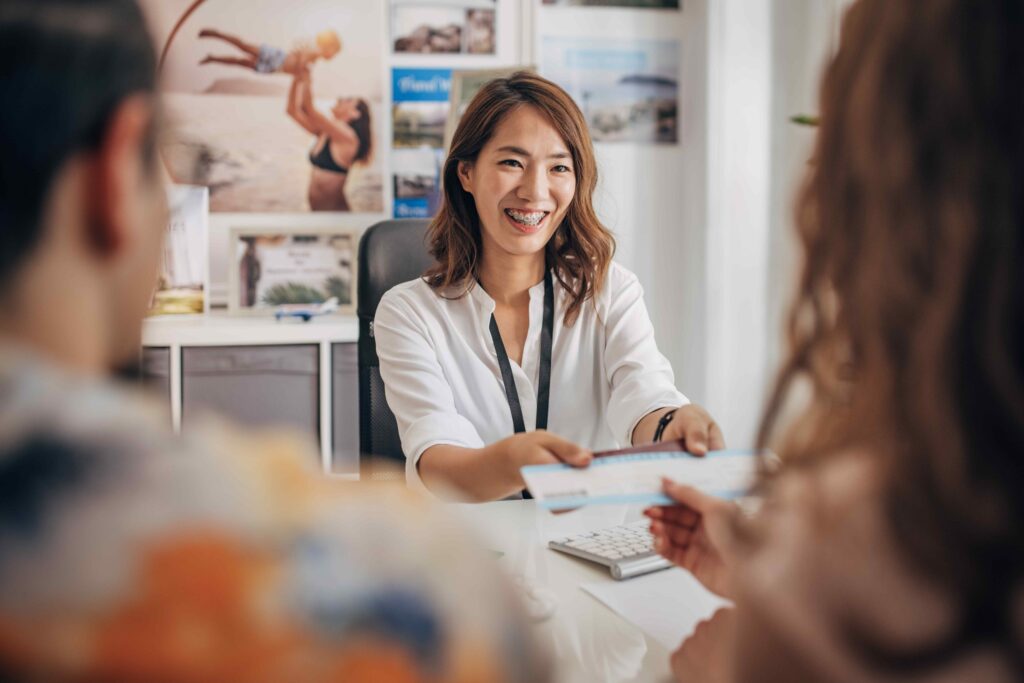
point(261, 372)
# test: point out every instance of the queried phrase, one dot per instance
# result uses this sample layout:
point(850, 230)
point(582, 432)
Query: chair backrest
point(390, 253)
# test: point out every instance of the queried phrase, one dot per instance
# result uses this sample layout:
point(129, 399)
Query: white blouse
point(443, 382)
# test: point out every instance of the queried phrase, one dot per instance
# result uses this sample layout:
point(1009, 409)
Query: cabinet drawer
point(264, 386)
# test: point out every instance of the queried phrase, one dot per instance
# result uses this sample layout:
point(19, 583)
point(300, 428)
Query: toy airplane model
point(306, 312)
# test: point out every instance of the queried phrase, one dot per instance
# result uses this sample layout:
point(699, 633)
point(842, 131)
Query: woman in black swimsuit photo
point(343, 138)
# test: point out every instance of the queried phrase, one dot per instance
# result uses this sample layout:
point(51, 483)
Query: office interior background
point(705, 222)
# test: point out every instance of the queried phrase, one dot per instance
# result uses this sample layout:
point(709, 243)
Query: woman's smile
point(526, 220)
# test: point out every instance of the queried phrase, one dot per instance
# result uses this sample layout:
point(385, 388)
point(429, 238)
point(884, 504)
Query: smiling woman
point(524, 320)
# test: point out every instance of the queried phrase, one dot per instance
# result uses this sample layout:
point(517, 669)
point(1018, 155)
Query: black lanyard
point(544, 389)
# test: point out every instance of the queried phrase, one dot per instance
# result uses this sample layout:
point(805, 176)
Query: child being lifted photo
point(268, 59)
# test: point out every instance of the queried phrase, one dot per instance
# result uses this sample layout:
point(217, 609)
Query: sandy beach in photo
point(252, 157)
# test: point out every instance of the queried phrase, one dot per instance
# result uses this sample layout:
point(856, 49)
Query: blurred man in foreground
point(127, 553)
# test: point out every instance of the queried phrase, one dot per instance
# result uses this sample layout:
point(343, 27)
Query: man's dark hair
point(65, 65)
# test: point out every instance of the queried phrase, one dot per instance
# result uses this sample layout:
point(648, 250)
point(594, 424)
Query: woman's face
point(522, 183)
point(346, 109)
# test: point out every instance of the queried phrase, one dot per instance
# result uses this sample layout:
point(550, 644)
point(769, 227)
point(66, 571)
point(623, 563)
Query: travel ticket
point(635, 477)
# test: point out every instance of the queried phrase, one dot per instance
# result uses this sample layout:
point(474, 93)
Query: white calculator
point(627, 550)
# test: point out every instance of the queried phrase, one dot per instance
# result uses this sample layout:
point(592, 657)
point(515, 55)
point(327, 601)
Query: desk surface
point(222, 329)
point(589, 641)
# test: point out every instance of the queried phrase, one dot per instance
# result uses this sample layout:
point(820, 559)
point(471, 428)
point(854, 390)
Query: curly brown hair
point(908, 327)
point(581, 249)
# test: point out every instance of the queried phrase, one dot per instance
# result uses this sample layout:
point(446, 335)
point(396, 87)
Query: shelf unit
point(334, 337)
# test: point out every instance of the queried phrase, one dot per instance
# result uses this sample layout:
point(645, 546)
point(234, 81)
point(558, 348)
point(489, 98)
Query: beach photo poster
point(643, 4)
point(274, 105)
point(183, 285)
point(628, 90)
point(420, 105)
point(444, 26)
point(271, 268)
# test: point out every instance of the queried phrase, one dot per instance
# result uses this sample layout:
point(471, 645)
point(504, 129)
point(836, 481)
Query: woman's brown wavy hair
point(581, 249)
point(908, 324)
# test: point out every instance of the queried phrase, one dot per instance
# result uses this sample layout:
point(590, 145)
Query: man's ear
point(118, 173)
point(463, 169)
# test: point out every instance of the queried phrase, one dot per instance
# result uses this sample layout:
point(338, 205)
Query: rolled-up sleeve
point(641, 378)
point(415, 386)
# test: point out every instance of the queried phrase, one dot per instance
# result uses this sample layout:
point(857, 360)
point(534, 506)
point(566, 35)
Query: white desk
point(333, 335)
point(589, 641)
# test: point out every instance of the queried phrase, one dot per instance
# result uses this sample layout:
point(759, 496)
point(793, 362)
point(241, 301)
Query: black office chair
point(390, 252)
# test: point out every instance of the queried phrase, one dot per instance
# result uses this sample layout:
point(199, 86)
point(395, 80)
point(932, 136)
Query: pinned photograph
point(646, 4)
point(421, 104)
point(628, 90)
point(419, 124)
point(444, 26)
point(417, 182)
point(271, 269)
point(183, 284)
point(274, 105)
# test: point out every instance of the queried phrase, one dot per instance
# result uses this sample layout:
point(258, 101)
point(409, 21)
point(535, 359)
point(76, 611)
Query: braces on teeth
point(531, 218)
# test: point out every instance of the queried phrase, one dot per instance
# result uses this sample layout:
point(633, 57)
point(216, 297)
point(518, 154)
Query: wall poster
point(444, 26)
point(628, 89)
point(275, 105)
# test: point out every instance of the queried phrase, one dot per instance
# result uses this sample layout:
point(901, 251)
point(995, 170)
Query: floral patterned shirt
point(129, 553)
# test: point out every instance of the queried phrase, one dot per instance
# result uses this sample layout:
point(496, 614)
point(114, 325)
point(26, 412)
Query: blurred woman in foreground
point(890, 545)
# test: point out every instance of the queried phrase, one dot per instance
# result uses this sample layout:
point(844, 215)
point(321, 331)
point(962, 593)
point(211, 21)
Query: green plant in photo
point(292, 293)
point(339, 288)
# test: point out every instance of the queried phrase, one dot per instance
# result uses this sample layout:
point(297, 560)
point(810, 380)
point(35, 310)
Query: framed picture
point(464, 86)
point(443, 26)
point(628, 89)
point(248, 129)
point(273, 267)
point(642, 4)
point(184, 283)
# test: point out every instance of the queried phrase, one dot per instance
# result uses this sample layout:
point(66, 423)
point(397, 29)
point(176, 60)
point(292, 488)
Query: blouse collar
point(485, 303)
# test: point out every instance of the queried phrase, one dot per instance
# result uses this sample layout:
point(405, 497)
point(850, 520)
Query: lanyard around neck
point(544, 388)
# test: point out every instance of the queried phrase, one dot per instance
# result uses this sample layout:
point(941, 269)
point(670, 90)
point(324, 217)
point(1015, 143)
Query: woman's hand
point(707, 656)
point(695, 534)
point(492, 472)
point(541, 448)
point(696, 428)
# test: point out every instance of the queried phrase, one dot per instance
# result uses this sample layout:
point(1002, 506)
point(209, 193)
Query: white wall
point(805, 34)
point(765, 62)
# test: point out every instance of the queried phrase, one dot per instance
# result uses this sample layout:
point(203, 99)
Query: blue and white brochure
point(636, 478)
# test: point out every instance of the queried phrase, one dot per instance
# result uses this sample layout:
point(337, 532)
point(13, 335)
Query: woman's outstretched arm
point(338, 131)
point(299, 83)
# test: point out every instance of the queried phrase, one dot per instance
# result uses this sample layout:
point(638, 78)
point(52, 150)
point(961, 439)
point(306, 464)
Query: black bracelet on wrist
point(662, 423)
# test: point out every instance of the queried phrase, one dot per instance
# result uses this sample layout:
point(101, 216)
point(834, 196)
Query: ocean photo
point(628, 90)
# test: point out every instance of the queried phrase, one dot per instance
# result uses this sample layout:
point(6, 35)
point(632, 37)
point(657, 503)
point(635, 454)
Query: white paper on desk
point(666, 605)
point(636, 478)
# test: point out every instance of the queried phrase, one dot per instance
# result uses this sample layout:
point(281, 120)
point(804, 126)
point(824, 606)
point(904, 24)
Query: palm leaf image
point(292, 293)
point(340, 288)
